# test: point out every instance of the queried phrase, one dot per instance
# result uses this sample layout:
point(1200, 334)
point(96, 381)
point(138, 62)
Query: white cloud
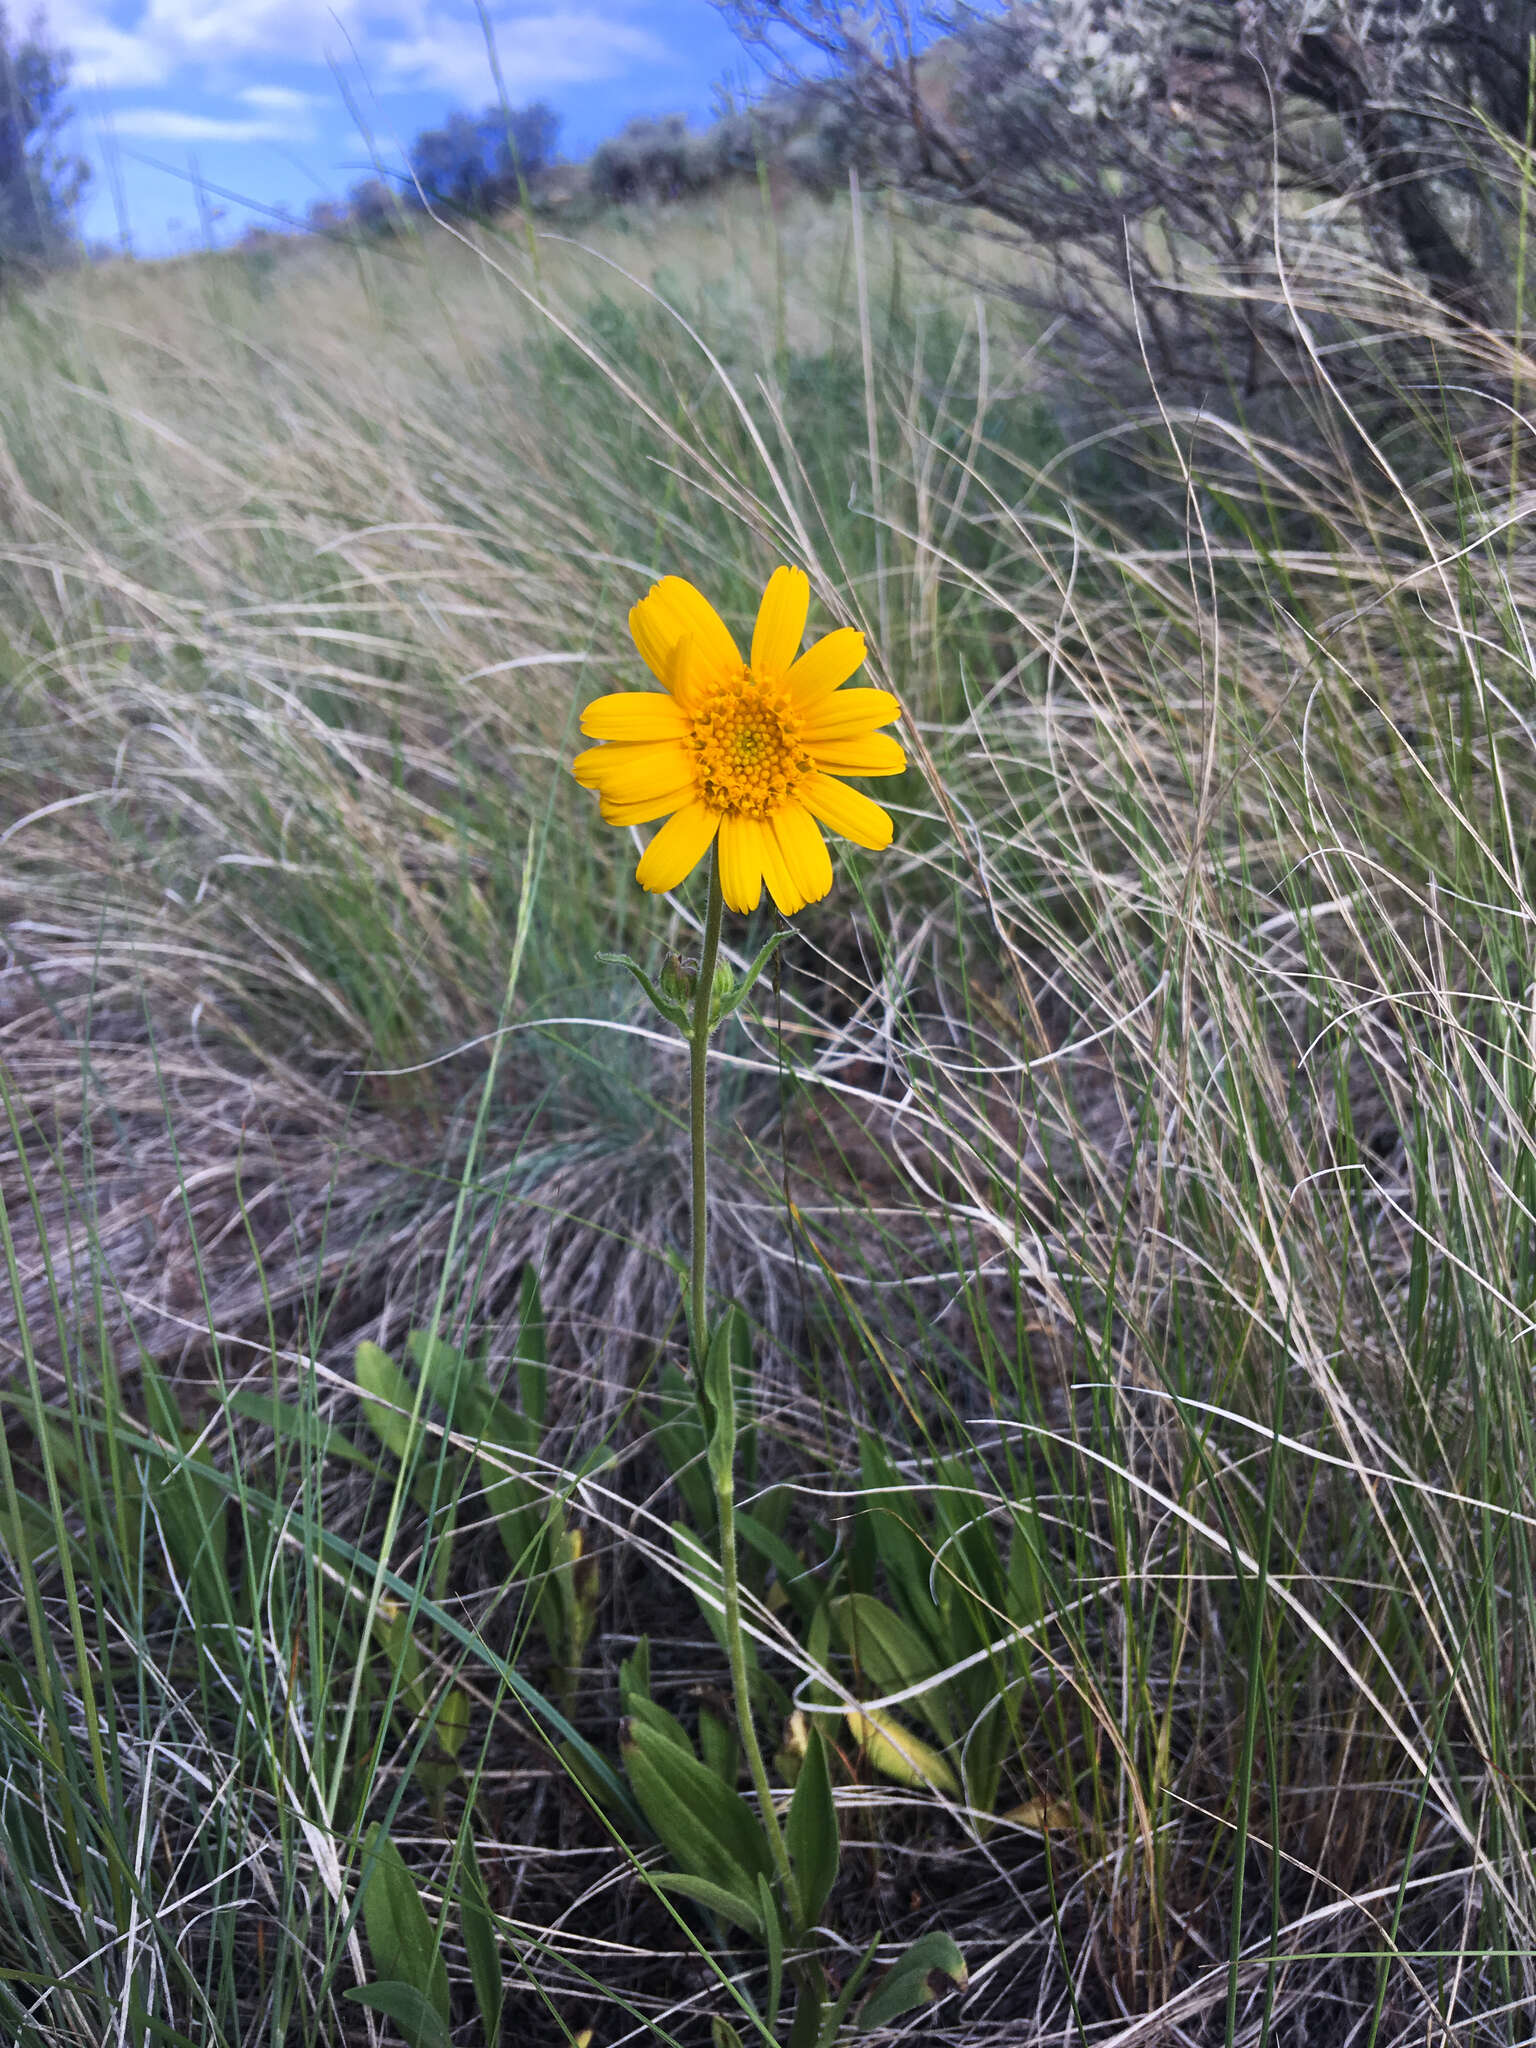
point(169, 124)
point(218, 30)
point(279, 99)
point(399, 43)
point(104, 54)
point(166, 36)
point(536, 51)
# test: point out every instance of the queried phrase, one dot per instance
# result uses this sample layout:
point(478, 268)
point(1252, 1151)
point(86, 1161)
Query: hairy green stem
point(725, 1484)
point(698, 1060)
point(736, 1649)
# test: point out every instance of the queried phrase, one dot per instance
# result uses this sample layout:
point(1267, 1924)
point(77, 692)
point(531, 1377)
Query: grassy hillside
point(1127, 1178)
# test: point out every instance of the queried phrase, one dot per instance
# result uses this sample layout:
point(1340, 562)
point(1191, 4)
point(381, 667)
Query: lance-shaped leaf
point(708, 1830)
point(401, 1940)
point(811, 1831)
point(930, 1967)
point(897, 1754)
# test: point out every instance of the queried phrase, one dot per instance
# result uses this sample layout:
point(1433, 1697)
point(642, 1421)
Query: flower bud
point(679, 977)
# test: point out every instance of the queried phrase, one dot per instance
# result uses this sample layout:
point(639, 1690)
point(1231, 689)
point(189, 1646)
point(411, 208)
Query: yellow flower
point(751, 750)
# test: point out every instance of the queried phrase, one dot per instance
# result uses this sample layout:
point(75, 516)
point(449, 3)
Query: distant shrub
point(805, 133)
point(373, 204)
point(326, 217)
point(1166, 163)
point(477, 162)
point(651, 160)
point(525, 139)
point(41, 182)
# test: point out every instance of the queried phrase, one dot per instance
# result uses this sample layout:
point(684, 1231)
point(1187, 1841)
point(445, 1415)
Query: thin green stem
point(698, 1067)
point(736, 1649)
point(725, 1482)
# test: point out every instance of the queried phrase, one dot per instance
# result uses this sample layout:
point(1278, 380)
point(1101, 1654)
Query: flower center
point(747, 740)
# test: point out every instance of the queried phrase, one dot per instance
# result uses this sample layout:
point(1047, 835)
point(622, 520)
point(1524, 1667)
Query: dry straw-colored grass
point(1157, 1118)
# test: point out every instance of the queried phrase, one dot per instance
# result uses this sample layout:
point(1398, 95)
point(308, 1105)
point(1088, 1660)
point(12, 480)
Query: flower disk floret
point(750, 755)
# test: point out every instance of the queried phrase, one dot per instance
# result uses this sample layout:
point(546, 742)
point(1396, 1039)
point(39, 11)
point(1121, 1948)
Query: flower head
point(749, 751)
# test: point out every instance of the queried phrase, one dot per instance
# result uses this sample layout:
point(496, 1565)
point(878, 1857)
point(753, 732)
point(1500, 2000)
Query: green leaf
point(986, 1748)
point(718, 1745)
point(679, 1436)
point(33, 1532)
point(720, 1899)
point(192, 1507)
point(802, 1588)
point(708, 1829)
point(452, 1721)
point(155, 2029)
point(930, 1967)
point(532, 1351)
point(725, 1343)
point(770, 1546)
point(420, 2024)
point(392, 1629)
point(635, 1675)
point(434, 1775)
point(965, 1517)
point(675, 1013)
point(576, 1589)
point(354, 1562)
point(160, 1404)
point(400, 1936)
point(286, 1419)
point(728, 1003)
point(891, 1655)
point(907, 1559)
point(741, 1377)
point(582, 1771)
point(377, 1374)
point(722, 2034)
point(812, 1832)
point(517, 1505)
point(645, 1713)
point(1026, 1586)
point(818, 1648)
point(455, 1380)
point(969, 1586)
point(825, 2027)
point(479, 1931)
point(773, 1941)
point(703, 1569)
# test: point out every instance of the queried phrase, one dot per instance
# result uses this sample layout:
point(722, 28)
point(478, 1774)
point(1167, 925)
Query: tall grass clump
point(1123, 1185)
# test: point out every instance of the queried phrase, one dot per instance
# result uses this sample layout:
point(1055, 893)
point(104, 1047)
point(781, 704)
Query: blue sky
point(256, 90)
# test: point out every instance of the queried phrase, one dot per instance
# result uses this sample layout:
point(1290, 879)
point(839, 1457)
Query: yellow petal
point(875, 754)
point(846, 811)
point(847, 713)
point(821, 668)
point(646, 810)
point(780, 621)
point(634, 715)
point(804, 851)
point(677, 848)
point(673, 610)
point(628, 774)
point(681, 673)
point(782, 887)
point(741, 862)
